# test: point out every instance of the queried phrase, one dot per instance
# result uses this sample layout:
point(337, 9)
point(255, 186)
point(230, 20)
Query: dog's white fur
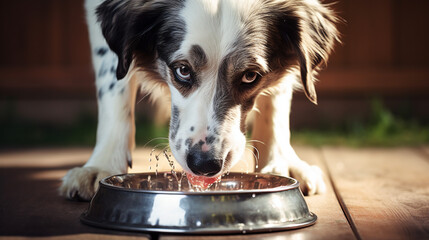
point(214, 26)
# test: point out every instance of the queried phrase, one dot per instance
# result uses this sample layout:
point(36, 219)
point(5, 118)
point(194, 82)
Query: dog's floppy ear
point(309, 27)
point(126, 24)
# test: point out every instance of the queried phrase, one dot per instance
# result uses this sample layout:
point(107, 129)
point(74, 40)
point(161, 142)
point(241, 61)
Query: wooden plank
point(44, 158)
point(425, 150)
point(30, 207)
point(331, 223)
point(385, 190)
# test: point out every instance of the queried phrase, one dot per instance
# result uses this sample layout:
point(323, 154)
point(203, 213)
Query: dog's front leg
point(115, 136)
point(272, 134)
point(115, 132)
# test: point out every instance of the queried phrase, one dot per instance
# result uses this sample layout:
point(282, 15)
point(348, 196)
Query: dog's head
point(216, 56)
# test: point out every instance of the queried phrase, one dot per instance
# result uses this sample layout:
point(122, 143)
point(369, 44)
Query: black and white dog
point(216, 60)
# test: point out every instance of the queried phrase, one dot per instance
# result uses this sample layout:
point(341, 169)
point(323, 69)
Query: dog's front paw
point(310, 178)
point(280, 168)
point(82, 182)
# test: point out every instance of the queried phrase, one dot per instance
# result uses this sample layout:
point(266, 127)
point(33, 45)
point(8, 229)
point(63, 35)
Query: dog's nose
point(203, 163)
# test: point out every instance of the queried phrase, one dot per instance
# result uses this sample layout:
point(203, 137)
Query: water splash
point(158, 155)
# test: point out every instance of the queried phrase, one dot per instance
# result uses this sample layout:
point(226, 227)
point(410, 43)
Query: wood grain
point(331, 223)
point(425, 152)
point(385, 190)
point(30, 206)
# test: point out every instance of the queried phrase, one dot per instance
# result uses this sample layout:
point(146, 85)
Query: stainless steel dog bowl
point(239, 203)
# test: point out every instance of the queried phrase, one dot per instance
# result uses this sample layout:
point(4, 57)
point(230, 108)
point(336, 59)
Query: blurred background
point(373, 92)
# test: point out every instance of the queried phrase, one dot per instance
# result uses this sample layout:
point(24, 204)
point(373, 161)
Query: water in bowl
point(189, 182)
point(169, 182)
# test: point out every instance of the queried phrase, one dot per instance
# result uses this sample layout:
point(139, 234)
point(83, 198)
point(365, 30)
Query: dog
point(214, 61)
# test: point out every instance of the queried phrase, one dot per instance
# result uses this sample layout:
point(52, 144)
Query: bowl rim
point(294, 185)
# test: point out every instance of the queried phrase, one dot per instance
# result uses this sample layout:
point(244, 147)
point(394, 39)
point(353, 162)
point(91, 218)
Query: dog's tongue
point(202, 181)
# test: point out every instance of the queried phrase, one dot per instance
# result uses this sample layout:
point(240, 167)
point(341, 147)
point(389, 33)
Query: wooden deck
point(372, 193)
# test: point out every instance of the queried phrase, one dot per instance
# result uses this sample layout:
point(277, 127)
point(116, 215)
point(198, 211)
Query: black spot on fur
point(100, 93)
point(179, 144)
point(113, 69)
point(103, 69)
point(188, 143)
point(174, 122)
point(192, 129)
point(215, 131)
point(210, 139)
point(101, 51)
point(111, 86)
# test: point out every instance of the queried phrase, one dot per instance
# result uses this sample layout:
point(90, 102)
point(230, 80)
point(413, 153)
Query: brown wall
point(44, 50)
point(384, 49)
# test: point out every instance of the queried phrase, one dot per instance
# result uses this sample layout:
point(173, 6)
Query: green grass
point(19, 133)
point(382, 129)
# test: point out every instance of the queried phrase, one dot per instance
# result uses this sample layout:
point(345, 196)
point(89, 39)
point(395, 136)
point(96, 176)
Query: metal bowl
point(166, 202)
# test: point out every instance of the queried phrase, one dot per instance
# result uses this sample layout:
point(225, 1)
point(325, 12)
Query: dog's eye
point(250, 76)
point(183, 74)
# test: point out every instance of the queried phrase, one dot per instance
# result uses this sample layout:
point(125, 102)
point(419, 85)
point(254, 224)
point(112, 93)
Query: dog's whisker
point(143, 97)
point(255, 141)
point(249, 144)
point(255, 149)
point(255, 157)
